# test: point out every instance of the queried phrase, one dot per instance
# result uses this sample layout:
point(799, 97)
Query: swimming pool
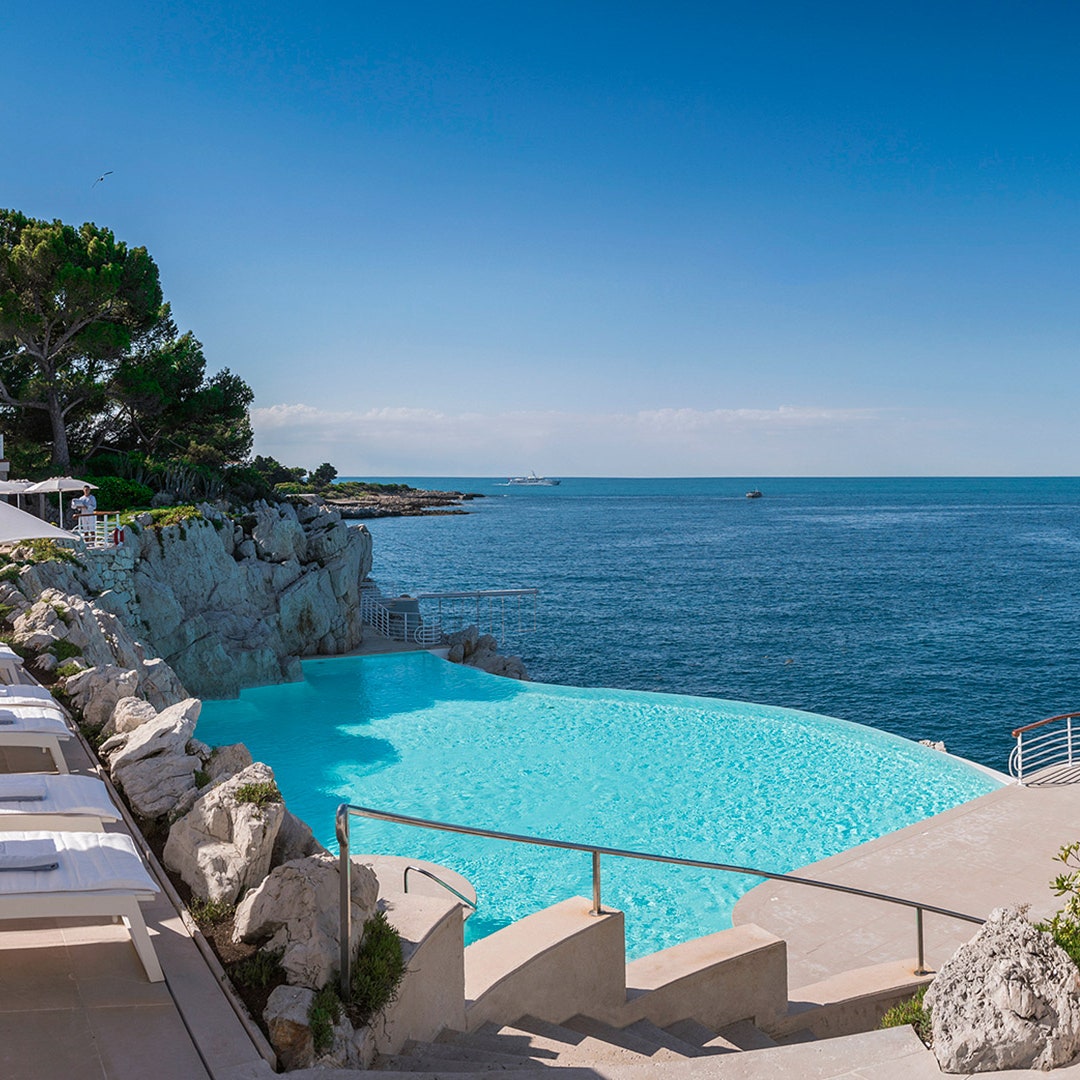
point(695, 777)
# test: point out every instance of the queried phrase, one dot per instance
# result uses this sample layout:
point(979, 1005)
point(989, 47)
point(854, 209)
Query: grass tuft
point(210, 912)
point(260, 793)
point(324, 1013)
point(912, 1012)
point(260, 969)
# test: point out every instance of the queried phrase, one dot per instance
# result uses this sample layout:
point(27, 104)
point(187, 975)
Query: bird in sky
point(101, 177)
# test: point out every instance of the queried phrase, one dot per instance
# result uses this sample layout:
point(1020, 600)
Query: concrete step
point(803, 1035)
point(574, 1047)
point(501, 1040)
point(429, 1063)
point(628, 1040)
point(648, 1030)
point(746, 1036)
point(457, 1052)
point(705, 1039)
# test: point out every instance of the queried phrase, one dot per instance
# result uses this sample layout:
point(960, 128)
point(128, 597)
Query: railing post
point(596, 909)
point(1068, 727)
point(1020, 758)
point(920, 966)
point(341, 827)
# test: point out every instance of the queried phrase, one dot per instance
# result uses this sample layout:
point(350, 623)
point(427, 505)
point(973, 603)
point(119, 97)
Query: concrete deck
point(996, 850)
point(75, 1001)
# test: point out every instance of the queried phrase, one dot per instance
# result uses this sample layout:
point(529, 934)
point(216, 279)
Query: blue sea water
point(943, 608)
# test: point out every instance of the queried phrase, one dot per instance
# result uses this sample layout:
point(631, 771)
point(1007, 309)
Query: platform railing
point(1045, 743)
point(346, 811)
point(399, 625)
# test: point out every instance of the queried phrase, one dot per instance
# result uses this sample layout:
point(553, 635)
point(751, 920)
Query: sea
point(933, 608)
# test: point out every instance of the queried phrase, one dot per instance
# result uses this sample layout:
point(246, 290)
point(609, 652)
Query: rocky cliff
point(228, 603)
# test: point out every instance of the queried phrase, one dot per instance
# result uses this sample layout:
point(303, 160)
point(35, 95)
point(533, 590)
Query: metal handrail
point(1044, 749)
point(347, 810)
point(438, 881)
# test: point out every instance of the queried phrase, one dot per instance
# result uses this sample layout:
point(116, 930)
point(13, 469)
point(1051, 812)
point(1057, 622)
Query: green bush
point(209, 912)
point(378, 970)
point(912, 1012)
point(324, 1013)
point(65, 671)
point(261, 794)
point(64, 650)
point(119, 493)
point(1064, 926)
point(260, 969)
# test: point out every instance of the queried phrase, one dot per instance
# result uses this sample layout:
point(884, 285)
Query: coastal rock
point(227, 761)
point(129, 713)
point(287, 1024)
point(222, 846)
point(296, 909)
point(934, 744)
point(278, 536)
point(96, 691)
point(159, 684)
point(295, 840)
point(151, 764)
point(1008, 999)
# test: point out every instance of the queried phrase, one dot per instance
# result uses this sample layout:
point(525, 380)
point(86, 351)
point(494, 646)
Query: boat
point(532, 480)
point(755, 494)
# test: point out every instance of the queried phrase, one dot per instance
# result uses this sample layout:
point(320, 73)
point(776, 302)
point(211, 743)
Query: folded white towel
point(20, 789)
point(37, 854)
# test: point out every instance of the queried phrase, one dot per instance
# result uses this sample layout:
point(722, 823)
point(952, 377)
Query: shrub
point(260, 969)
point(378, 970)
point(64, 650)
point(912, 1012)
point(324, 1013)
point(1064, 926)
point(209, 912)
point(260, 793)
point(65, 671)
point(120, 493)
point(10, 573)
point(42, 550)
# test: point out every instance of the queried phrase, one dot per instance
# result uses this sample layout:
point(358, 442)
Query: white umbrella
point(14, 487)
point(59, 484)
point(19, 525)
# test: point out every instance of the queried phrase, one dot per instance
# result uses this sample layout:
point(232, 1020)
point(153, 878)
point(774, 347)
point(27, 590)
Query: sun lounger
point(11, 665)
point(34, 726)
point(94, 874)
point(43, 801)
point(26, 694)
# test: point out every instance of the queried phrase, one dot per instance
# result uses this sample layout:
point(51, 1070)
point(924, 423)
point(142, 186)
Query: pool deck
point(994, 851)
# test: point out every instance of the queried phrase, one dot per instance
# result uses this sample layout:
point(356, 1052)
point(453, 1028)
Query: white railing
point(492, 611)
point(1049, 743)
point(105, 530)
point(399, 619)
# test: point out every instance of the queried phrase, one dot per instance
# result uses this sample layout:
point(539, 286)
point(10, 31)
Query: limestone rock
point(227, 761)
point(295, 840)
point(1008, 999)
point(151, 763)
point(129, 713)
point(159, 684)
point(934, 744)
point(296, 909)
point(286, 1016)
point(222, 846)
point(96, 691)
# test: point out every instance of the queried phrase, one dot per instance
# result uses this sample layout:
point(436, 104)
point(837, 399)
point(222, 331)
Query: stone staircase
point(579, 1045)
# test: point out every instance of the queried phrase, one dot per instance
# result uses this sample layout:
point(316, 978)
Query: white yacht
point(532, 480)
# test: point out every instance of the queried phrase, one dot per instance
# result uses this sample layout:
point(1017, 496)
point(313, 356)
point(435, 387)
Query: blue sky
point(590, 238)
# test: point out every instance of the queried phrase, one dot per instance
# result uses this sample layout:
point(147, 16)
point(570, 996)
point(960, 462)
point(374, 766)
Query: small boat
point(532, 480)
point(755, 494)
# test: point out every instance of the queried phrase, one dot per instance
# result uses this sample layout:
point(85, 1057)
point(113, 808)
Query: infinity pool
point(724, 781)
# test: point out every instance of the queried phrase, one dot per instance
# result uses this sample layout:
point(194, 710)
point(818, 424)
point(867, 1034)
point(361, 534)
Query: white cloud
point(685, 442)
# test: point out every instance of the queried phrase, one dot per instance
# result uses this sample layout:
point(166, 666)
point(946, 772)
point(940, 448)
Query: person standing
point(86, 504)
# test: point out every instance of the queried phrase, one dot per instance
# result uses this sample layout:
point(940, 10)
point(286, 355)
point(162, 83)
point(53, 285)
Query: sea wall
point(228, 603)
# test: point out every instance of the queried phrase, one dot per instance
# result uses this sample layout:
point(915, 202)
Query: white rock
point(222, 846)
point(129, 713)
point(96, 691)
point(286, 1016)
point(295, 840)
point(151, 763)
point(296, 909)
point(1008, 999)
point(226, 761)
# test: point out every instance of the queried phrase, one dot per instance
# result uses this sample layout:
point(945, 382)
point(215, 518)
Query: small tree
point(323, 476)
point(71, 299)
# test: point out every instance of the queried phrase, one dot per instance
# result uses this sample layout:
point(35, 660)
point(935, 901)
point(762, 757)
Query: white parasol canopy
point(19, 525)
point(59, 484)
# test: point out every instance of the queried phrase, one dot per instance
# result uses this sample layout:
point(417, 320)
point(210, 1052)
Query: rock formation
point(1008, 999)
point(296, 910)
point(473, 649)
point(222, 846)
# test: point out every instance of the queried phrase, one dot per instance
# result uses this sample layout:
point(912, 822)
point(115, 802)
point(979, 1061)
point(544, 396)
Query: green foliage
point(42, 550)
point(290, 488)
point(912, 1012)
point(273, 472)
point(202, 778)
point(120, 493)
point(258, 970)
point(71, 302)
point(351, 489)
point(5, 611)
point(64, 650)
point(1064, 926)
point(260, 794)
point(65, 671)
point(174, 515)
point(63, 612)
point(323, 476)
point(323, 1013)
point(210, 912)
point(377, 971)
point(10, 573)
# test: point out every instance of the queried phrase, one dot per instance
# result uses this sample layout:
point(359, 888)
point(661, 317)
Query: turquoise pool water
point(697, 777)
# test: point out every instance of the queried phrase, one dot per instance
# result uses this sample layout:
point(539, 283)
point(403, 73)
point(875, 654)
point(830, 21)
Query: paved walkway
point(75, 1001)
point(994, 851)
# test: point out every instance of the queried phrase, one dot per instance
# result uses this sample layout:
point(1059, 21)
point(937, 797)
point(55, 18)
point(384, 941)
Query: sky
point(589, 238)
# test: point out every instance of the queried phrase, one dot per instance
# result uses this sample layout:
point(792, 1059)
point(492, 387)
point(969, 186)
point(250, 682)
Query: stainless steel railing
point(345, 811)
point(1040, 745)
point(438, 881)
